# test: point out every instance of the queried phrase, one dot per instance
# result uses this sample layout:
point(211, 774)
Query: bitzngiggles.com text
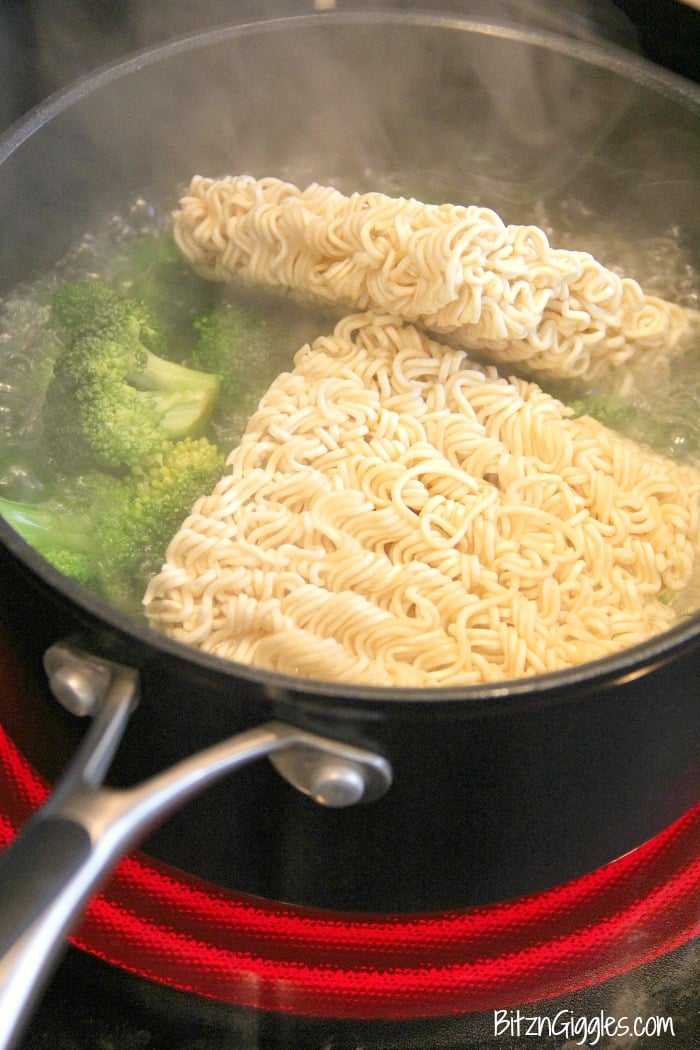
point(586, 1031)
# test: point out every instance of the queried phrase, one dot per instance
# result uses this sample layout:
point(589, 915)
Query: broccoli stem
point(158, 374)
point(46, 527)
point(185, 413)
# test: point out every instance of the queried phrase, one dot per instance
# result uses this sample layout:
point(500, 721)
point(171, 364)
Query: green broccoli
point(153, 269)
point(676, 435)
point(60, 528)
point(114, 401)
point(110, 533)
point(146, 511)
point(239, 342)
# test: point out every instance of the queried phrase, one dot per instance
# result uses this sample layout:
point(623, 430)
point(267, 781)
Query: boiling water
point(28, 344)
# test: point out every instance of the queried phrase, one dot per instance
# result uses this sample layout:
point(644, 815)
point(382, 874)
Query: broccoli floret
point(60, 529)
point(80, 305)
point(155, 270)
point(146, 511)
point(674, 435)
point(111, 533)
point(612, 411)
point(114, 401)
point(237, 341)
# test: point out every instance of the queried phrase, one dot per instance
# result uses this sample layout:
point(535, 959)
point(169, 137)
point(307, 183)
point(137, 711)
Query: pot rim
point(617, 668)
point(614, 57)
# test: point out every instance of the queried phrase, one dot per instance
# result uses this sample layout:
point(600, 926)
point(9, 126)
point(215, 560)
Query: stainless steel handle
point(74, 841)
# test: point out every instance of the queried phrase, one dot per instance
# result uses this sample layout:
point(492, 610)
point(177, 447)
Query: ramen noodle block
point(397, 514)
point(456, 270)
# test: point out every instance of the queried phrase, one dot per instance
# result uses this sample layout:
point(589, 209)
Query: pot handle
point(71, 845)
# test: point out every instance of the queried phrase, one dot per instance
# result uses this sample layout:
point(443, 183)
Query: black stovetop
point(91, 1006)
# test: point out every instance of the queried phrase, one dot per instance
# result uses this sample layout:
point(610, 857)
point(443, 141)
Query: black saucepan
point(496, 790)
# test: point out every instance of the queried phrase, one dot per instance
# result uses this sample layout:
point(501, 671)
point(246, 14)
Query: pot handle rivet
point(74, 688)
point(78, 680)
point(337, 784)
point(331, 772)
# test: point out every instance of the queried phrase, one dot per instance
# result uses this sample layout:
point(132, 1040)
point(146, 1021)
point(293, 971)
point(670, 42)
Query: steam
point(517, 119)
point(406, 107)
point(69, 38)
